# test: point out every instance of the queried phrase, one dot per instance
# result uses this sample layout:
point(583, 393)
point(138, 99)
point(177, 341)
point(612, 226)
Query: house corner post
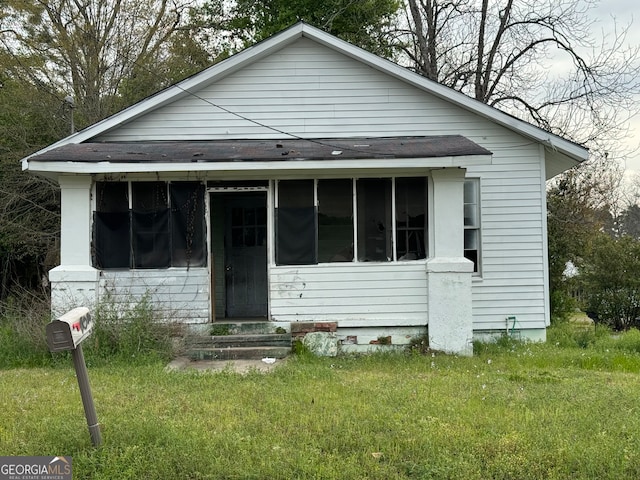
point(450, 319)
point(74, 282)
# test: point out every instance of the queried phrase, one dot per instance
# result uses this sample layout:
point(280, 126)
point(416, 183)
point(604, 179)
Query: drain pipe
point(513, 327)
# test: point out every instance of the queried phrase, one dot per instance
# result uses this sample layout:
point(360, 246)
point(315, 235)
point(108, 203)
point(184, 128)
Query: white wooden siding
point(513, 255)
point(307, 90)
point(180, 294)
point(312, 91)
point(362, 294)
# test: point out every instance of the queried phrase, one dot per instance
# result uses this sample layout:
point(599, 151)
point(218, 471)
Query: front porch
point(381, 286)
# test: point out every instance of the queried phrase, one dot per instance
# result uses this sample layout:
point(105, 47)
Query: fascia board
point(269, 167)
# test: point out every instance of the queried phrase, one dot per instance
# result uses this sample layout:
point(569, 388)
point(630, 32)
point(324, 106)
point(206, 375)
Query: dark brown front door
point(245, 242)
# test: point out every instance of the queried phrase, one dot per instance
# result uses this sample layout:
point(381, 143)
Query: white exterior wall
point(314, 92)
point(181, 294)
point(354, 294)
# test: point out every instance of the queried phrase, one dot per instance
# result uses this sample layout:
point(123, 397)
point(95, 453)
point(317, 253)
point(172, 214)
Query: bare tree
point(88, 47)
point(536, 59)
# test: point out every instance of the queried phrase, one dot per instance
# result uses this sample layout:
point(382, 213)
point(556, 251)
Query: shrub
point(618, 307)
point(563, 305)
point(611, 283)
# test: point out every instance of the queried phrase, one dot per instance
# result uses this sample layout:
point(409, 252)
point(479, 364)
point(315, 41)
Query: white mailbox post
point(67, 333)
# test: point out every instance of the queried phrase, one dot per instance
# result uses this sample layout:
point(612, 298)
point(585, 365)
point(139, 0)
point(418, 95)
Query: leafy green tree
point(630, 221)
point(104, 54)
point(366, 23)
point(610, 281)
point(579, 206)
point(185, 55)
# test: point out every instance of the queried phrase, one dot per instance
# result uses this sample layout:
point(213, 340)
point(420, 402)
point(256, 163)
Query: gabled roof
point(559, 149)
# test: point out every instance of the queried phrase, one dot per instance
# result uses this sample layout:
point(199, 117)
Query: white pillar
point(450, 321)
point(74, 282)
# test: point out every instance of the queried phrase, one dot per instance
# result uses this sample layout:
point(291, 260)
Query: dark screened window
point(295, 223)
point(335, 220)
point(411, 208)
point(112, 197)
point(112, 226)
point(374, 220)
point(164, 227)
point(188, 242)
point(150, 225)
point(315, 220)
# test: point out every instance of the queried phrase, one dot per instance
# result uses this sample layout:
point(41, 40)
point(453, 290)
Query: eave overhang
point(268, 156)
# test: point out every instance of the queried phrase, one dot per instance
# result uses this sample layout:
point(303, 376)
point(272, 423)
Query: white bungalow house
point(307, 180)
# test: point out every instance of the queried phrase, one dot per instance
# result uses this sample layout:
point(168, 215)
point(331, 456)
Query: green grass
point(513, 411)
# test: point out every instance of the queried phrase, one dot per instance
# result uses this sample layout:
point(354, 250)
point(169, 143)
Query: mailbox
point(69, 330)
point(67, 333)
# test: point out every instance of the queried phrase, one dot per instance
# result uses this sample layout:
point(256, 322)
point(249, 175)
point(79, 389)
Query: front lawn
point(513, 411)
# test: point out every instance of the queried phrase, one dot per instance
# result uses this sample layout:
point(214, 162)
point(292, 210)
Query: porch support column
point(74, 282)
point(450, 322)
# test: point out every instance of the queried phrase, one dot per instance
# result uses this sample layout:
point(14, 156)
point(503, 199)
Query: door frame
point(235, 189)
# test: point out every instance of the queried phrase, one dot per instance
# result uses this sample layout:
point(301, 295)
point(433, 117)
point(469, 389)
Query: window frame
point(346, 253)
point(407, 229)
point(199, 188)
point(477, 227)
point(357, 234)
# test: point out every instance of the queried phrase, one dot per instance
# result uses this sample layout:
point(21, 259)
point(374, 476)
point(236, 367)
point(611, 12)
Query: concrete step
point(239, 353)
point(241, 340)
point(242, 328)
point(239, 346)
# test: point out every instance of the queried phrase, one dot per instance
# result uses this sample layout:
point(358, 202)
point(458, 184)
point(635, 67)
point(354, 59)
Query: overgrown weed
point(595, 337)
point(131, 333)
point(23, 318)
point(134, 332)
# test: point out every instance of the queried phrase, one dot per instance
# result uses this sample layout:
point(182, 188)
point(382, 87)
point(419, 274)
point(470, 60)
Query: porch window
point(112, 226)
point(411, 208)
point(149, 225)
point(472, 221)
point(335, 220)
point(374, 220)
point(296, 223)
point(316, 220)
point(188, 245)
